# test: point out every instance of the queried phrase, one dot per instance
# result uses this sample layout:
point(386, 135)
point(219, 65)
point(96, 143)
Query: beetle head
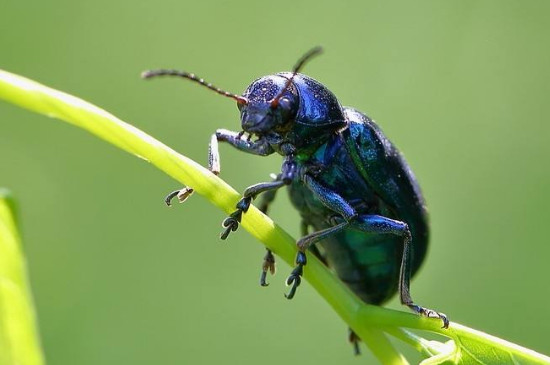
point(271, 106)
point(272, 101)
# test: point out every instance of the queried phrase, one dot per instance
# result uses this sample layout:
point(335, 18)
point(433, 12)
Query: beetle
point(346, 179)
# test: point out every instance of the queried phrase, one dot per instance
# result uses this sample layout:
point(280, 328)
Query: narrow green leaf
point(19, 342)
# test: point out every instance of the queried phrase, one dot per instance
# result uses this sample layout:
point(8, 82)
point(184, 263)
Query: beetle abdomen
point(368, 263)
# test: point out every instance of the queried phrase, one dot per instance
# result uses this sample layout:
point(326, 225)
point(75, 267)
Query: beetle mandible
point(345, 178)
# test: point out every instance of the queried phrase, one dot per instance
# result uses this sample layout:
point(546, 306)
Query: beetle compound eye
point(285, 103)
point(301, 62)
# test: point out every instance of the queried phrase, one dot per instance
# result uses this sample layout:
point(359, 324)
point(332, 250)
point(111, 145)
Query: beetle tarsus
point(169, 197)
point(295, 278)
point(354, 340)
point(182, 195)
point(231, 223)
point(244, 204)
point(263, 278)
point(268, 265)
point(430, 314)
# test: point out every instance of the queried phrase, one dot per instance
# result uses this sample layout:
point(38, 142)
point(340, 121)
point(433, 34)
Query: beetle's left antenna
point(301, 62)
point(190, 76)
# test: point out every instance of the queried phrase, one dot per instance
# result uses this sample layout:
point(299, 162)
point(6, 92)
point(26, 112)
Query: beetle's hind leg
point(404, 284)
point(430, 313)
point(376, 224)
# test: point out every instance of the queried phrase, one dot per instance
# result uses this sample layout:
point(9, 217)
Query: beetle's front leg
point(231, 223)
point(260, 147)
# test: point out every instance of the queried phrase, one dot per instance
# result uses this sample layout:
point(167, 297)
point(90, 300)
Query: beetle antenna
point(297, 67)
point(190, 76)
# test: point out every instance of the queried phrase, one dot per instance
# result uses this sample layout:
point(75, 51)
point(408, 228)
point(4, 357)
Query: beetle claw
point(295, 279)
point(292, 291)
point(263, 279)
point(430, 314)
point(182, 195)
point(231, 223)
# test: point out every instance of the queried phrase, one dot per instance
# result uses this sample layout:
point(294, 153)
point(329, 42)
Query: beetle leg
point(371, 224)
point(182, 195)
point(288, 171)
point(333, 201)
point(268, 263)
point(231, 223)
point(404, 285)
point(304, 228)
point(384, 225)
point(303, 243)
point(260, 147)
point(295, 278)
point(354, 340)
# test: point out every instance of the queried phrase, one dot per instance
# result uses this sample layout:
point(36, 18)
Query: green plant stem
point(366, 320)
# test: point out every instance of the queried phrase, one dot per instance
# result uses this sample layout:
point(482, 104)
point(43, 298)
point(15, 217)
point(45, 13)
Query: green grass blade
point(19, 341)
point(366, 320)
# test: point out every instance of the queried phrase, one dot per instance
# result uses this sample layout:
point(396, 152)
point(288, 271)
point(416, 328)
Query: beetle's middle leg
point(286, 176)
point(231, 223)
point(334, 202)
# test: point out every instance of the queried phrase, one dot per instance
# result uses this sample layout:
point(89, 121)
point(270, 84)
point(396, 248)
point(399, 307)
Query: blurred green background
point(461, 87)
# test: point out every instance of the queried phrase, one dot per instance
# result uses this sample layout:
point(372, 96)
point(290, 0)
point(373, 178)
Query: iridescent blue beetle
point(345, 178)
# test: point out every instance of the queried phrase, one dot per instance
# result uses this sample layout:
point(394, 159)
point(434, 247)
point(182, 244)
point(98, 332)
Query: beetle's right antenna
point(190, 76)
point(297, 67)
